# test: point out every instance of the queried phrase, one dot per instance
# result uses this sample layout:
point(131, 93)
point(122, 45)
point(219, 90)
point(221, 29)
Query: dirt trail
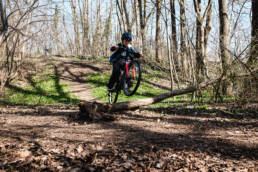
point(52, 138)
point(74, 74)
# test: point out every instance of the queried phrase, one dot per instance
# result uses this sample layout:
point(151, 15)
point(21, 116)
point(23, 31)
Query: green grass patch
point(98, 84)
point(39, 90)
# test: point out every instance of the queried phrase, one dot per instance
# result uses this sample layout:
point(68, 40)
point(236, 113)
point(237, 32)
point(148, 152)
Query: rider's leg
point(115, 75)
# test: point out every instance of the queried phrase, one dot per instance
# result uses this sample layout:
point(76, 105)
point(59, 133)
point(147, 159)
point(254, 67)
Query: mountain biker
point(117, 57)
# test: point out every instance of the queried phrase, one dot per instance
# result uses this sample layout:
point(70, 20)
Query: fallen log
point(96, 110)
point(100, 111)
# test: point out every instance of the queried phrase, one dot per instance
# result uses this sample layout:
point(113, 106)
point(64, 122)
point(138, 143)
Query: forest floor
point(52, 138)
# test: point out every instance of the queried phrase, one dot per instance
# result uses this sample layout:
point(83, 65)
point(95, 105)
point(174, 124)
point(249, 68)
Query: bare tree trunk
point(224, 42)
point(183, 50)
point(199, 45)
point(253, 60)
point(135, 10)
point(84, 22)
point(97, 33)
point(143, 21)
point(157, 39)
point(207, 30)
point(3, 19)
point(142, 14)
point(169, 53)
point(121, 17)
point(68, 37)
point(107, 30)
point(76, 27)
point(56, 31)
point(120, 21)
point(200, 61)
point(128, 22)
point(174, 34)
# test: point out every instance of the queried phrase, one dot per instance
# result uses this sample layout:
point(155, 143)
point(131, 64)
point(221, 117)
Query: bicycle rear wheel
point(113, 95)
point(132, 82)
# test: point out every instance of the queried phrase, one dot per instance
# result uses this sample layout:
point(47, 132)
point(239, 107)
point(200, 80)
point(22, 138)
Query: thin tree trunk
point(224, 42)
point(143, 21)
point(119, 20)
point(68, 37)
point(200, 61)
point(142, 15)
point(107, 30)
point(56, 31)
point(182, 37)
point(84, 14)
point(253, 60)
point(121, 12)
point(207, 30)
point(76, 27)
point(136, 24)
point(3, 19)
point(199, 47)
point(97, 33)
point(174, 35)
point(169, 53)
point(157, 39)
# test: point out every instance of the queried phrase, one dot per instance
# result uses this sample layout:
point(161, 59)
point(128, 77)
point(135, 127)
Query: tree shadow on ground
point(157, 85)
point(197, 124)
point(207, 113)
point(82, 65)
point(197, 142)
point(59, 96)
point(141, 144)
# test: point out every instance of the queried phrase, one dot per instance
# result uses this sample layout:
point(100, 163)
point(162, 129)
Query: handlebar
point(130, 52)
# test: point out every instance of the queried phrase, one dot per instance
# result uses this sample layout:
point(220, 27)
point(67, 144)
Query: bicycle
point(129, 78)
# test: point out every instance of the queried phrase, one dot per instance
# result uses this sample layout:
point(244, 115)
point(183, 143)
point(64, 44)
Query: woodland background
point(196, 107)
point(197, 40)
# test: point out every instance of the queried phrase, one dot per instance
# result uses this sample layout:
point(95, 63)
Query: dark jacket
point(118, 53)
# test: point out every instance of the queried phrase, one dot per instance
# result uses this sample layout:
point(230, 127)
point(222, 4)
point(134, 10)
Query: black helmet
point(127, 36)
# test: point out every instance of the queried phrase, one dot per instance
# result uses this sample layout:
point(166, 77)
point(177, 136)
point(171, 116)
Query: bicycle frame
point(127, 69)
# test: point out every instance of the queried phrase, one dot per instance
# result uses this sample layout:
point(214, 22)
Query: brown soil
point(52, 138)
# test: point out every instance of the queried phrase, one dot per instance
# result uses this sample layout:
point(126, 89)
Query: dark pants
point(115, 73)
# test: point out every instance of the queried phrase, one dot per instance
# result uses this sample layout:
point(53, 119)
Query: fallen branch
point(97, 110)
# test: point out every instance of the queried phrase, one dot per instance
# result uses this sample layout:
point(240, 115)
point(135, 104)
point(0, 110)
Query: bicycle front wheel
point(132, 79)
point(113, 95)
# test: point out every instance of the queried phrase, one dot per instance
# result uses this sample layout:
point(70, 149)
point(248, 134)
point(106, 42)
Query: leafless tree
point(157, 39)
point(84, 22)
point(76, 27)
point(254, 36)
point(143, 21)
point(19, 35)
point(174, 34)
point(183, 50)
point(200, 61)
point(3, 18)
point(224, 41)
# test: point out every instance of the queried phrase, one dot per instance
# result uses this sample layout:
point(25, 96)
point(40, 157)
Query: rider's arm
point(116, 47)
point(135, 53)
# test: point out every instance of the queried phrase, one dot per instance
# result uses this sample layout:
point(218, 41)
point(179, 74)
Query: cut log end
point(95, 111)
